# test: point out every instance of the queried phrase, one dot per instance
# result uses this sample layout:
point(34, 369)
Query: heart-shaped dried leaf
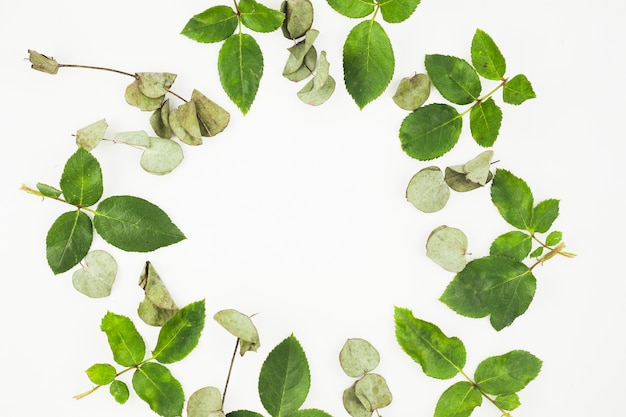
point(447, 247)
point(357, 357)
point(95, 279)
point(240, 326)
point(155, 84)
point(90, 136)
point(298, 18)
point(213, 118)
point(205, 402)
point(136, 98)
point(157, 306)
point(412, 92)
point(427, 191)
point(162, 156)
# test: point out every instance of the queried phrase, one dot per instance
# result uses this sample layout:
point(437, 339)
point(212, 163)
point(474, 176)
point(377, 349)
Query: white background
point(298, 213)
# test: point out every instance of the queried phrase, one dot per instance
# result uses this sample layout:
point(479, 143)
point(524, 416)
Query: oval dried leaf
point(162, 156)
point(318, 90)
point(155, 84)
point(136, 98)
point(357, 357)
point(412, 92)
point(447, 247)
point(95, 279)
point(427, 191)
point(204, 402)
point(240, 326)
point(298, 18)
point(353, 405)
point(160, 121)
point(373, 392)
point(90, 136)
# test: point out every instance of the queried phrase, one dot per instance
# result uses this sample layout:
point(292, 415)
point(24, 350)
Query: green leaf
point(160, 120)
point(508, 373)
point(126, 343)
point(68, 240)
point(205, 402)
point(212, 25)
point(412, 92)
point(396, 11)
point(544, 214)
point(244, 413)
point(240, 65)
point(554, 238)
point(318, 90)
point(135, 97)
point(513, 198)
point(284, 380)
point(486, 56)
point(494, 285)
point(298, 18)
point(258, 17)
point(95, 279)
point(101, 373)
point(353, 404)
point(454, 77)
point(134, 224)
point(180, 335)
point(310, 412)
point(48, 190)
point(514, 244)
point(357, 357)
point(508, 401)
point(459, 400)
point(240, 326)
point(155, 84)
point(517, 90)
point(81, 181)
point(90, 136)
point(430, 131)
point(157, 306)
point(373, 392)
point(352, 8)
point(427, 191)
point(156, 385)
point(485, 122)
point(439, 356)
point(368, 62)
point(213, 119)
point(119, 391)
point(447, 247)
point(536, 253)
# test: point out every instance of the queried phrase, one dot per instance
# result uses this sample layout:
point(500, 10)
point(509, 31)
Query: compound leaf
point(396, 11)
point(486, 56)
point(156, 385)
point(368, 62)
point(439, 356)
point(459, 400)
point(134, 224)
point(357, 357)
point(515, 244)
point(258, 17)
point(508, 373)
point(351, 8)
point(513, 198)
point(81, 181)
point(517, 90)
point(68, 240)
point(544, 214)
point(454, 77)
point(125, 341)
point(212, 25)
point(430, 131)
point(180, 335)
point(95, 279)
point(485, 122)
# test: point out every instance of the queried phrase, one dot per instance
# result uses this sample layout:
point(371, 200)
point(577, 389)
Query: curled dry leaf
point(157, 306)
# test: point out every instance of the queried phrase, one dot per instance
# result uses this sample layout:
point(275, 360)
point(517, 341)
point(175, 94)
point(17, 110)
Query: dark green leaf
point(284, 380)
point(119, 391)
point(514, 244)
point(156, 385)
point(508, 373)
point(357, 357)
point(125, 341)
point(68, 240)
point(258, 17)
point(508, 401)
point(180, 335)
point(298, 18)
point(48, 190)
point(240, 65)
point(513, 198)
point(454, 77)
point(430, 131)
point(352, 8)
point(485, 121)
point(244, 413)
point(373, 392)
point(459, 400)
point(157, 306)
point(544, 214)
point(554, 238)
point(101, 373)
point(396, 11)
point(494, 285)
point(136, 225)
point(486, 57)
point(212, 25)
point(81, 181)
point(439, 356)
point(517, 90)
point(368, 62)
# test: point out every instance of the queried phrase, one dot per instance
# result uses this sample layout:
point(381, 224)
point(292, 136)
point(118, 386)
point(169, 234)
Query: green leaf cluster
point(240, 59)
point(152, 381)
point(431, 131)
point(497, 378)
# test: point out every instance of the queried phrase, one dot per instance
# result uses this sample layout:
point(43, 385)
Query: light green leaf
point(486, 56)
point(517, 90)
point(485, 122)
point(213, 119)
point(258, 17)
point(396, 11)
point(180, 335)
point(554, 238)
point(134, 224)
point(439, 356)
point(101, 373)
point(42, 63)
point(162, 156)
point(373, 392)
point(508, 401)
point(412, 92)
point(240, 326)
point(125, 341)
point(368, 61)
point(318, 90)
point(119, 391)
point(427, 191)
point(90, 136)
point(430, 131)
point(357, 357)
point(95, 279)
point(298, 18)
point(160, 120)
point(212, 25)
point(48, 190)
point(513, 198)
point(353, 404)
point(352, 8)
point(544, 214)
point(284, 380)
point(454, 77)
point(157, 306)
point(136, 138)
point(240, 65)
point(536, 253)
point(514, 244)
point(205, 402)
point(185, 124)
point(447, 247)
point(81, 181)
point(155, 84)
point(156, 385)
point(300, 55)
point(494, 285)
point(68, 240)
point(508, 373)
point(135, 97)
point(459, 400)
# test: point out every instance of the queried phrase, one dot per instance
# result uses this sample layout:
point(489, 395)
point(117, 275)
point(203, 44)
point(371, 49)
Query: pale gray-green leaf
point(136, 138)
point(205, 402)
point(155, 84)
point(353, 405)
point(162, 156)
point(318, 90)
point(298, 52)
point(158, 306)
point(212, 118)
point(135, 97)
point(447, 246)
point(95, 279)
point(240, 326)
point(427, 191)
point(185, 125)
point(373, 392)
point(477, 170)
point(357, 357)
point(90, 136)
point(412, 92)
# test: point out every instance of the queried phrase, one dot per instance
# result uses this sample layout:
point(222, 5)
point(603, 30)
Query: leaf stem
point(230, 370)
point(485, 97)
point(491, 400)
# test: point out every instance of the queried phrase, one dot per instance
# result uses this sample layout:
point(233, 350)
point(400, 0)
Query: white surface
point(298, 213)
